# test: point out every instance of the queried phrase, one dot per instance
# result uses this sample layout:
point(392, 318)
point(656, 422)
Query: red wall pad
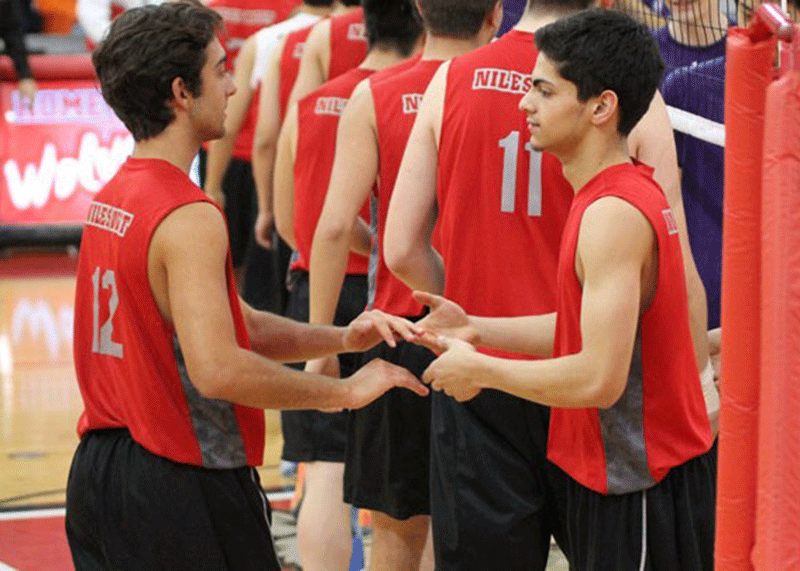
point(778, 494)
point(749, 61)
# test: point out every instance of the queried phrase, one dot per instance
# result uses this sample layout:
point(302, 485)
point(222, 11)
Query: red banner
point(57, 155)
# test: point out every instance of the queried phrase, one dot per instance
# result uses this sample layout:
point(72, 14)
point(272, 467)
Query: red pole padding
point(748, 72)
point(777, 545)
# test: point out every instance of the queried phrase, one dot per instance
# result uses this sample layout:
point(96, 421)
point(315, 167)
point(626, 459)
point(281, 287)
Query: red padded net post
point(748, 72)
point(777, 545)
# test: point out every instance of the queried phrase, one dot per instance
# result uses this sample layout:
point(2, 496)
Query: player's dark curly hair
point(600, 50)
point(144, 51)
point(392, 23)
point(455, 18)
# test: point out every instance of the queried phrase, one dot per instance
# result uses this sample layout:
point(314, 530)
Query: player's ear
point(180, 93)
point(605, 107)
point(497, 14)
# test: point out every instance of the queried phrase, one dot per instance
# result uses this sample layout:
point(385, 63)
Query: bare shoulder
point(614, 229)
point(189, 230)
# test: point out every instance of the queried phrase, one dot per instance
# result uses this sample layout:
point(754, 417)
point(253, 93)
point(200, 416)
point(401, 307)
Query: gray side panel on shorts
point(215, 423)
point(374, 254)
point(622, 429)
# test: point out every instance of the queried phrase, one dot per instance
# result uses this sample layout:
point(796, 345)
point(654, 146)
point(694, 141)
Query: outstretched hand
point(376, 377)
point(372, 327)
point(456, 371)
point(445, 319)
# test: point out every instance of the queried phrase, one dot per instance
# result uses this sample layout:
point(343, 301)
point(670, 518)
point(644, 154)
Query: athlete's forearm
point(329, 256)
point(529, 335)
point(567, 382)
point(289, 341)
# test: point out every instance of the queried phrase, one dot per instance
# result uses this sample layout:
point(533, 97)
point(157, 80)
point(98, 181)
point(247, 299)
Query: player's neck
point(534, 19)
point(342, 9)
point(594, 154)
point(320, 11)
point(444, 47)
point(171, 145)
point(380, 57)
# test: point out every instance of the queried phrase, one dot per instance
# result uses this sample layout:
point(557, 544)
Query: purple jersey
point(677, 55)
point(512, 12)
point(700, 89)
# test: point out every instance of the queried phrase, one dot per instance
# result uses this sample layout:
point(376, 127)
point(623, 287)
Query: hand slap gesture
point(372, 327)
point(445, 319)
point(457, 371)
point(377, 377)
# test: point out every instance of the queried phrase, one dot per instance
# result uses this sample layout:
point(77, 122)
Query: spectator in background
point(695, 32)
point(12, 33)
point(95, 16)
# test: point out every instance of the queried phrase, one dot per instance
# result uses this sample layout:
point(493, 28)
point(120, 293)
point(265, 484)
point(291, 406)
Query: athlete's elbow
point(399, 257)
point(211, 378)
point(604, 391)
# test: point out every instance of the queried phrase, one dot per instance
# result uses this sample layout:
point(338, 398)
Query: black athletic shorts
point(667, 527)
point(494, 495)
point(128, 509)
point(241, 208)
point(311, 435)
point(388, 443)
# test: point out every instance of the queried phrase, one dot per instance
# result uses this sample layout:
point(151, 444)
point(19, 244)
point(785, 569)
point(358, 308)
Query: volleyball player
point(386, 468)
point(629, 425)
point(173, 368)
point(467, 169)
point(304, 160)
point(333, 47)
point(229, 170)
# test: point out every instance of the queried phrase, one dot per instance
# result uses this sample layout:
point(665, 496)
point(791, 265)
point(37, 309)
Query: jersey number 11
point(510, 146)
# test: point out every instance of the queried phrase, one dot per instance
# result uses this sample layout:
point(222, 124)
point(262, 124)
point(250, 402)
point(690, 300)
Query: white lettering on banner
point(246, 16)
point(61, 106)
point(411, 102)
point(94, 166)
point(357, 31)
point(504, 80)
point(40, 318)
point(330, 105)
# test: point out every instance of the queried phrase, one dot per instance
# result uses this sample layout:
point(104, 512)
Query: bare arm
point(412, 216)
point(264, 146)
point(313, 70)
point(614, 245)
point(221, 150)
point(192, 292)
point(527, 335)
point(652, 142)
point(283, 181)
point(355, 169)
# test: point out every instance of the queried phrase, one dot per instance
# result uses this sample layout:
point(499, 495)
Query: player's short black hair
point(351, 2)
point(392, 23)
point(320, 3)
point(144, 51)
point(455, 18)
point(600, 49)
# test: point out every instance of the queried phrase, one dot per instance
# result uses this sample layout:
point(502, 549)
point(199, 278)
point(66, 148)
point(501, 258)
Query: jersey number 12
point(101, 335)
point(510, 146)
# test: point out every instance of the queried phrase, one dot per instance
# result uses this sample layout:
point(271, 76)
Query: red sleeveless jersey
point(502, 205)
point(396, 99)
point(317, 122)
point(244, 18)
point(290, 64)
point(348, 42)
point(128, 361)
point(660, 421)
